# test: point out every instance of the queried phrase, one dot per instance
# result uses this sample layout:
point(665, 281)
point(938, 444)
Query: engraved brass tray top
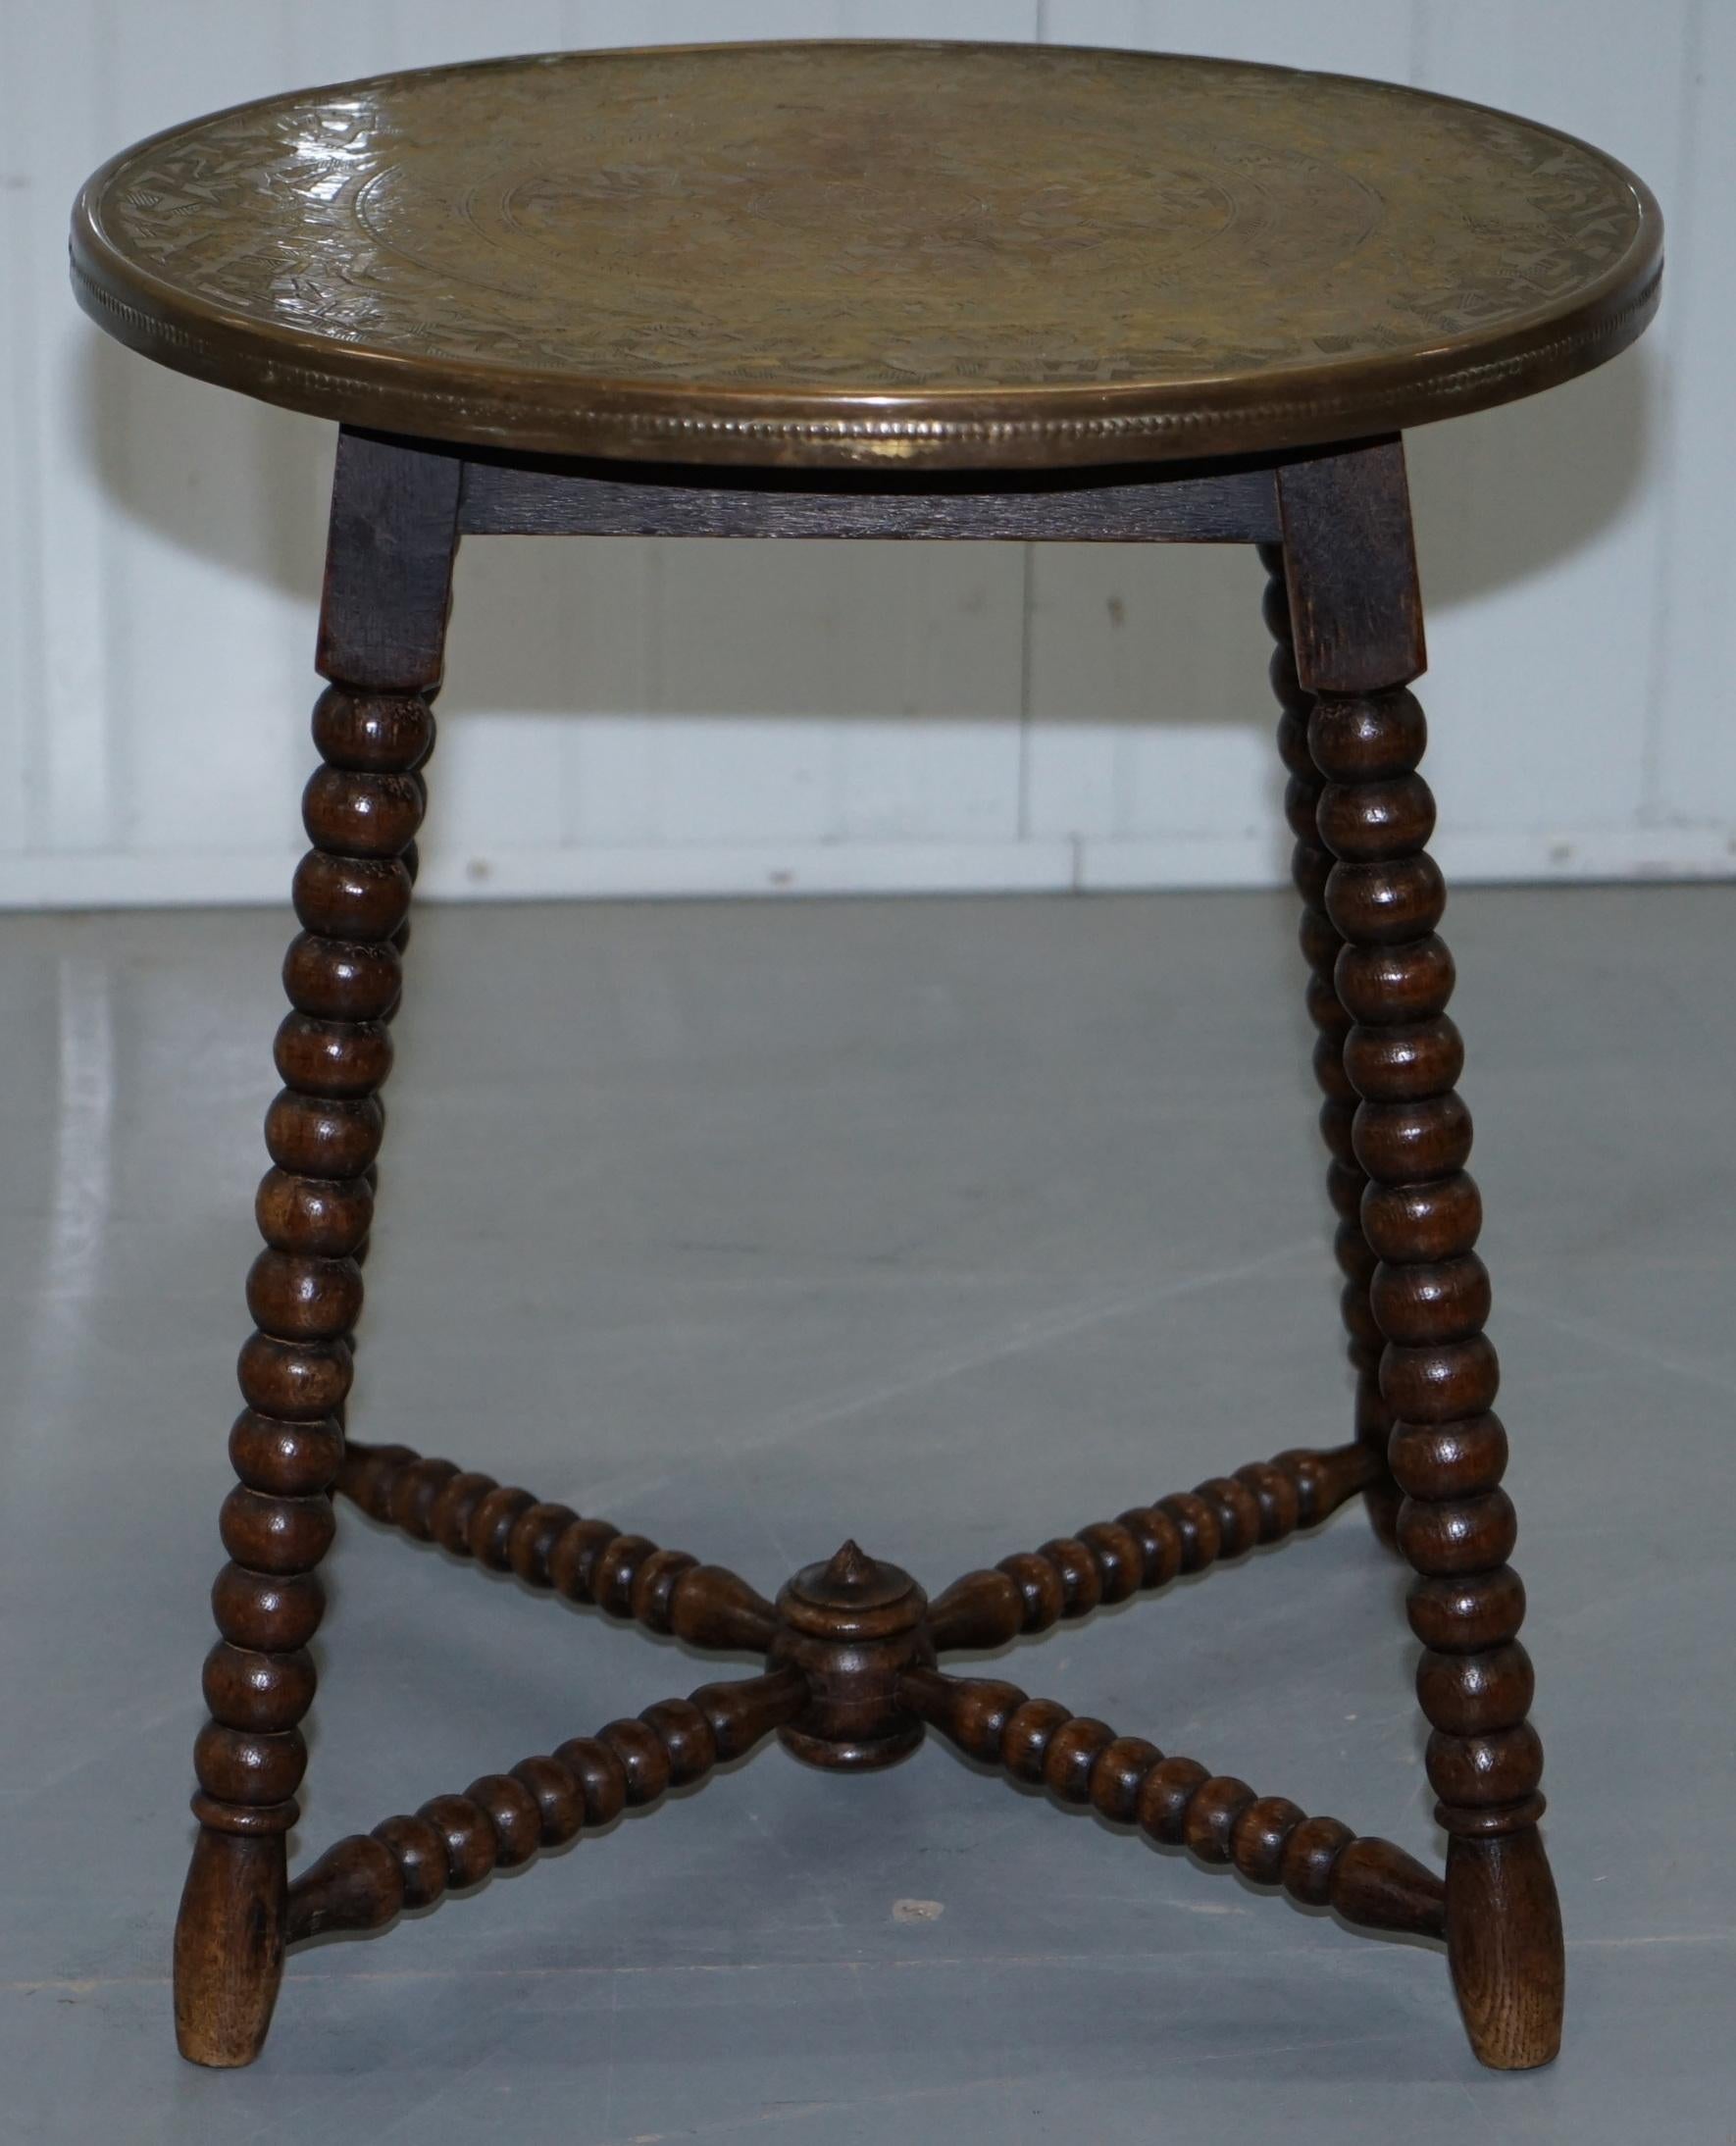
point(825, 254)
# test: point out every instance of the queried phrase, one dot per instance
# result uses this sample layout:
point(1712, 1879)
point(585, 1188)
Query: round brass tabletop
point(827, 254)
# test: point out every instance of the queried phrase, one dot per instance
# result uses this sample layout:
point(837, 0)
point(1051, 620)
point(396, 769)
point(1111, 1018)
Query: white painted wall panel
point(61, 539)
point(1541, 525)
point(21, 564)
point(635, 717)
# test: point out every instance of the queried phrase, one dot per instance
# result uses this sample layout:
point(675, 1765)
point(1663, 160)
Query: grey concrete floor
point(951, 1225)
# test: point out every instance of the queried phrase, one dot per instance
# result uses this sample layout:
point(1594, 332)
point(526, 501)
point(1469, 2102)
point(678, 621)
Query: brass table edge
point(553, 414)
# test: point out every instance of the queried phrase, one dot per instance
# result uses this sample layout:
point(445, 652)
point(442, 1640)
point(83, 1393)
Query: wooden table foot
point(228, 1947)
point(1505, 1949)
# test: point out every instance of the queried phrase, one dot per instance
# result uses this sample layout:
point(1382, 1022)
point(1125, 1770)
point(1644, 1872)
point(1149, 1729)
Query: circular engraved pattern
point(832, 253)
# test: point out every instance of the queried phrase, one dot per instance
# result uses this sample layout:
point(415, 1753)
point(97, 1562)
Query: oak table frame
point(851, 1647)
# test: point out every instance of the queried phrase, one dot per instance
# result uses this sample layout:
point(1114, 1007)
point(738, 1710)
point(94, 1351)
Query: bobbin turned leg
point(1320, 944)
point(387, 582)
point(1358, 644)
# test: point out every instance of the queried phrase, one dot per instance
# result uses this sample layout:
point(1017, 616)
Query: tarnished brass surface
point(837, 253)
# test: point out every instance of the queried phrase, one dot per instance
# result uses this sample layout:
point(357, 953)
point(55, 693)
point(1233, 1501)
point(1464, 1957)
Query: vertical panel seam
point(1660, 666)
point(119, 732)
point(25, 566)
point(1419, 41)
point(1027, 608)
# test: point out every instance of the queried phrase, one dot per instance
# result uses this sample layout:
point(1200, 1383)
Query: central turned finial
point(851, 1625)
point(849, 1567)
point(851, 1580)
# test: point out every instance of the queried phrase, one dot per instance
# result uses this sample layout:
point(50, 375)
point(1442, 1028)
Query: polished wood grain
point(387, 586)
point(1311, 865)
point(850, 1645)
point(363, 1882)
point(1147, 1546)
point(1192, 503)
point(1178, 1803)
point(1427, 1293)
point(551, 1548)
point(818, 254)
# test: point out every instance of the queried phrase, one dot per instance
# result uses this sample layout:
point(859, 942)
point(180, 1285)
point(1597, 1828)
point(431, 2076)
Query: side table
point(894, 290)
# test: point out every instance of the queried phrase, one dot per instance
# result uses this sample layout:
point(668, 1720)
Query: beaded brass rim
point(828, 253)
